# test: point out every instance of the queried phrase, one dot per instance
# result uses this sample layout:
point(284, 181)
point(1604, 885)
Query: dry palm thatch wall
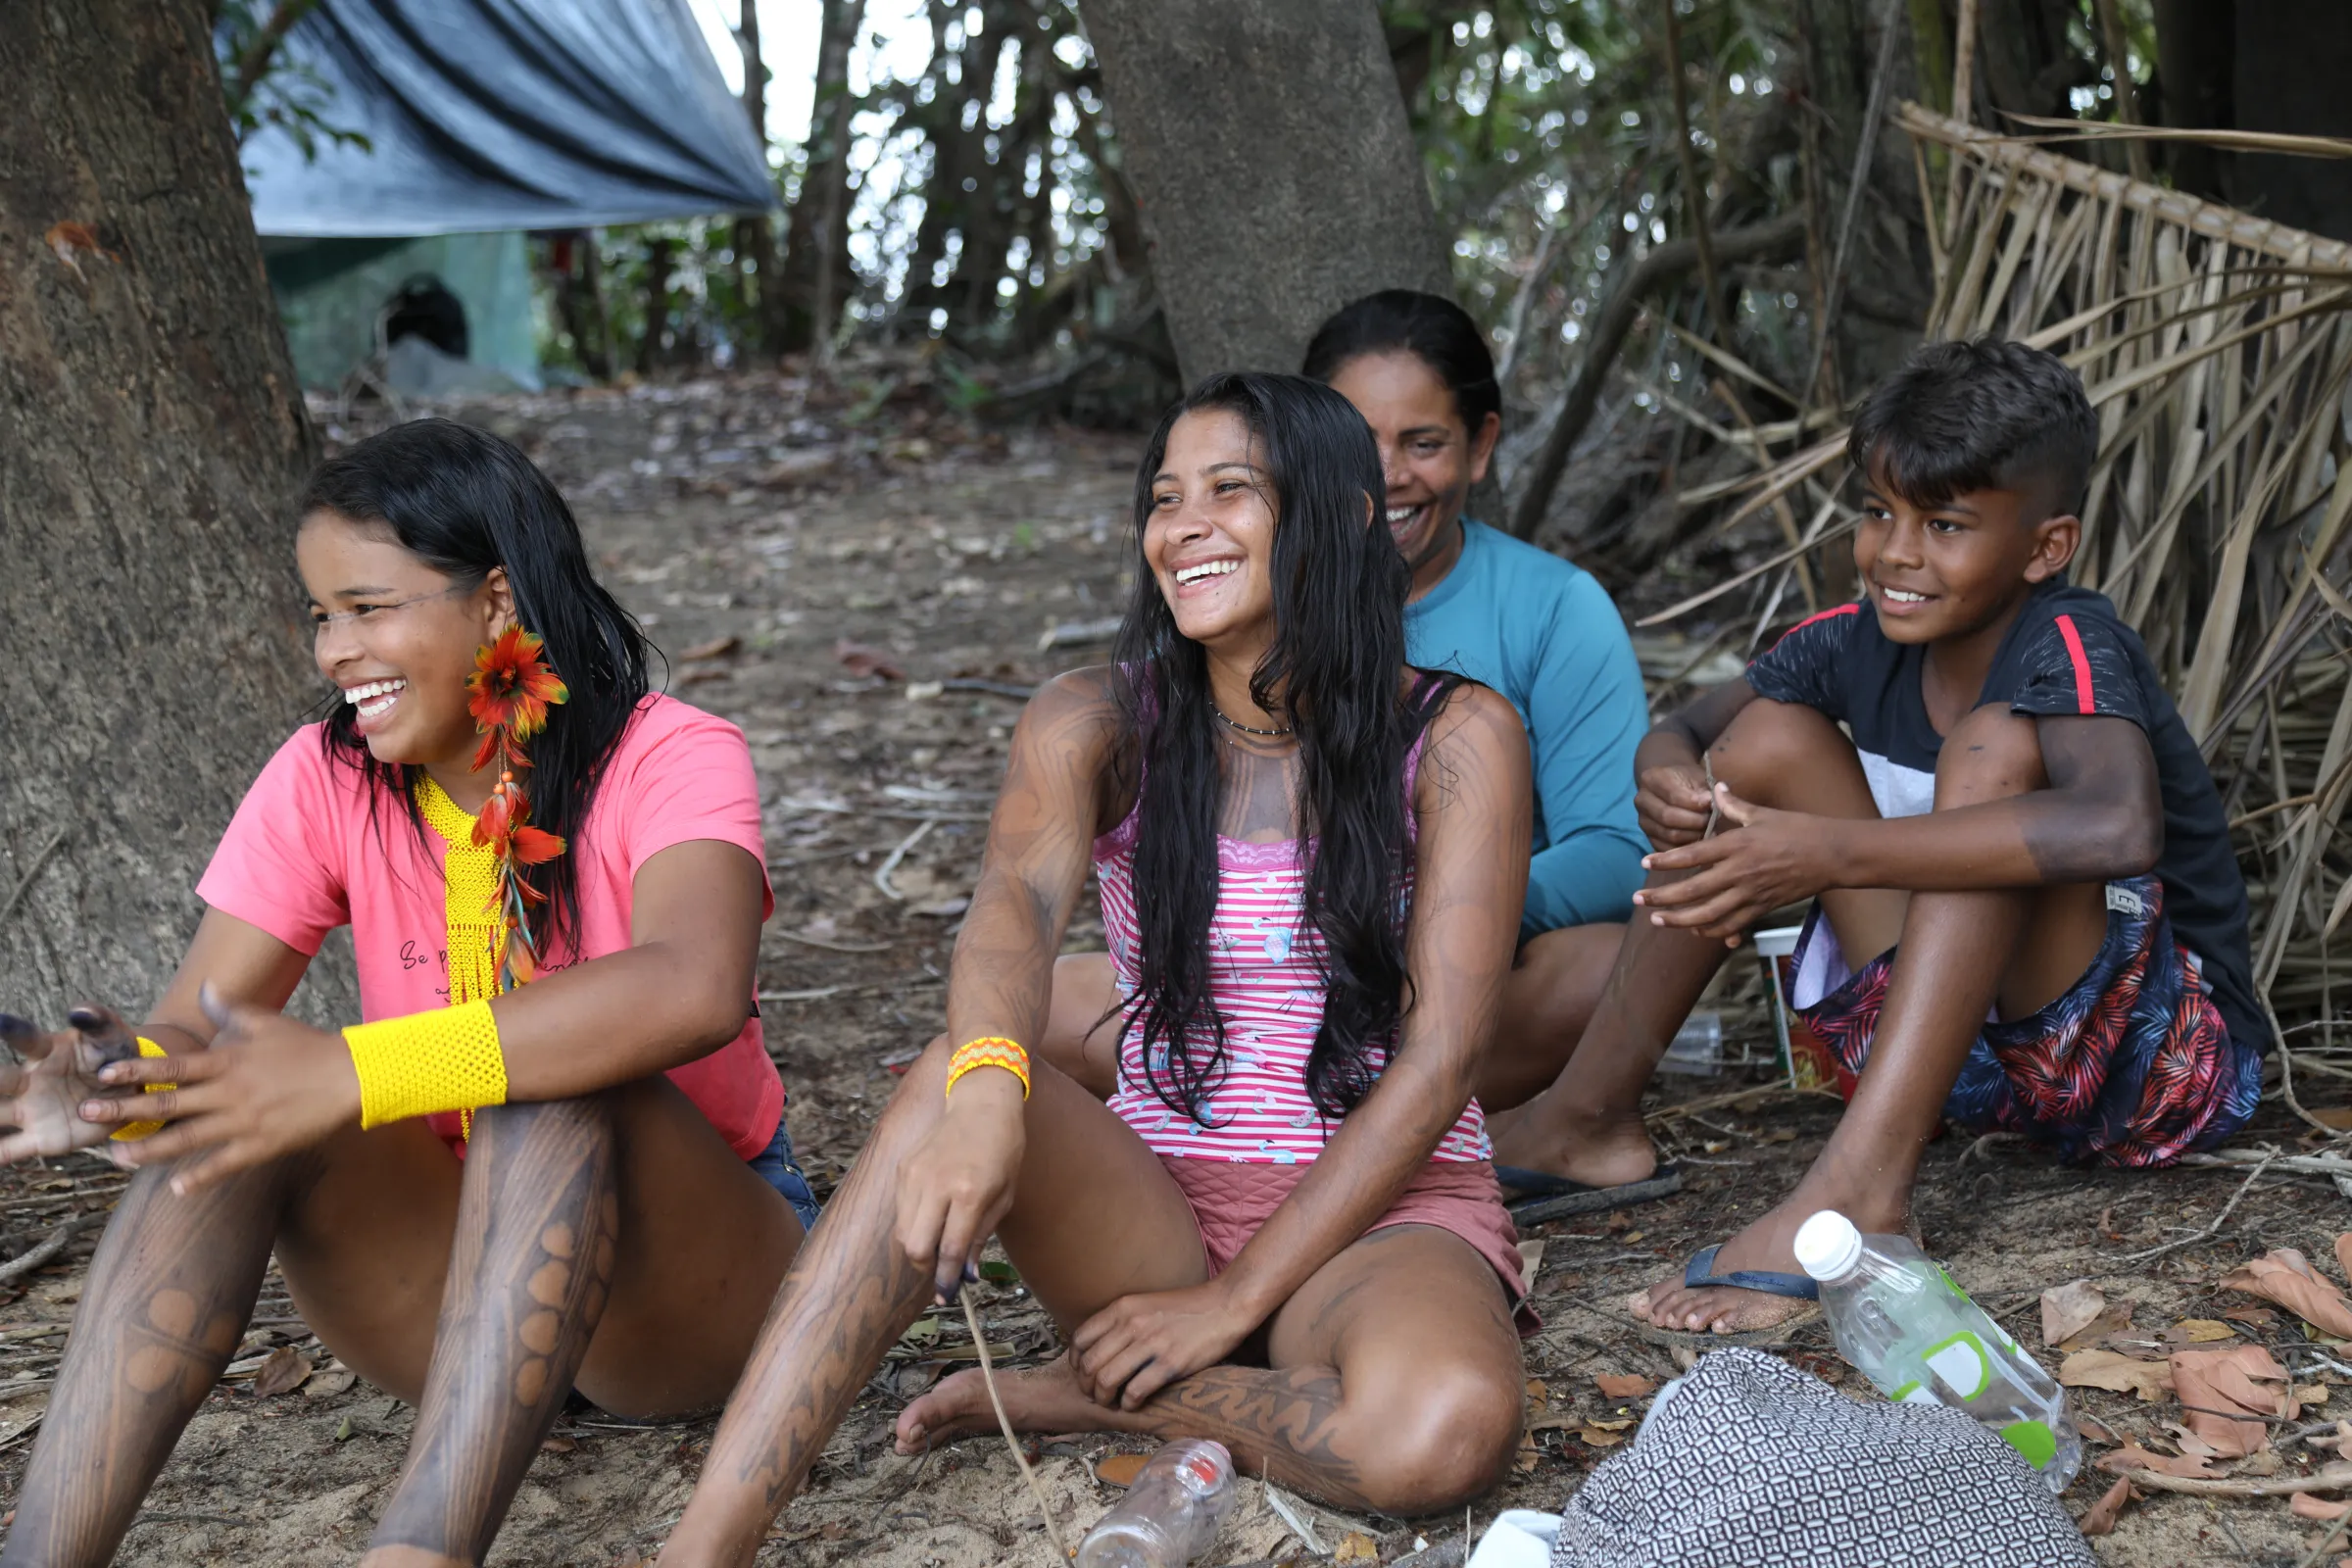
point(2217, 349)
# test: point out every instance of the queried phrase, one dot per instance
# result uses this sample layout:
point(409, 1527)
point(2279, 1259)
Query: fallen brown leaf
point(1603, 1433)
point(1121, 1469)
point(2304, 1505)
point(2132, 1457)
point(2199, 1331)
point(2116, 1372)
point(1630, 1386)
point(327, 1383)
point(2068, 1309)
point(860, 660)
point(556, 1444)
point(1357, 1547)
point(2254, 1318)
point(2343, 1254)
point(2113, 1322)
point(2215, 1386)
point(2286, 1276)
point(283, 1371)
point(717, 648)
point(2099, 1518)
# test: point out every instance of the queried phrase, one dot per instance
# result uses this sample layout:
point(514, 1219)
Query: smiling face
point(1427, 456)
point(1935, 573)
point(1209, 537)
point(398, 638)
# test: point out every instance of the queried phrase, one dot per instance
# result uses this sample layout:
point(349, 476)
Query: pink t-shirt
point(301, 858)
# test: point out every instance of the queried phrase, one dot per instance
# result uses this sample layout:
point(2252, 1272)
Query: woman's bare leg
point(1082, 1035)
point(1554, 986)
point(364, 1227)
point(1100, 1219)
point(1394, 1384)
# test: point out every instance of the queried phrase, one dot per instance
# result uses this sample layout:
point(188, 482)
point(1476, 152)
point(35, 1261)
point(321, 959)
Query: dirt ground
point(862, 581)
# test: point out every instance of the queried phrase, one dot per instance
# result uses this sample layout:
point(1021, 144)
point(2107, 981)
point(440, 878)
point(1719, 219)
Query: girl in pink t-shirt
point(621, 1213)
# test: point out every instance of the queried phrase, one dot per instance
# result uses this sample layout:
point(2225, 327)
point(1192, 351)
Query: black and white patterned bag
point(1754, 1464)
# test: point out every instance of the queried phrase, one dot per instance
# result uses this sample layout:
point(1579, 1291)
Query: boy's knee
point(1767, 740)
point(1990, 754)
point(1454, 1443)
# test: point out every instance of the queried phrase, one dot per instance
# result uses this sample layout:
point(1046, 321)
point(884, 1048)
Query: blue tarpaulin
point(500, 114)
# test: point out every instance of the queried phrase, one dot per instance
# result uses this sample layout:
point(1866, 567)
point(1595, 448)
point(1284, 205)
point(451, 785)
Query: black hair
point(1429, 326)
point(465, 502)
point(1988, 414)
point(1333, 669)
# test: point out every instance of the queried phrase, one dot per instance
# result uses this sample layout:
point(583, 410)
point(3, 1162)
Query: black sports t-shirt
point(2066, 653)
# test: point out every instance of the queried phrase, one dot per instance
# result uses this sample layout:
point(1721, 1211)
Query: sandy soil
point(757, 527)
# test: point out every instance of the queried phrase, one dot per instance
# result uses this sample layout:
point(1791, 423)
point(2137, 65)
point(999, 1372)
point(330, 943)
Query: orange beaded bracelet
point(990, 1050)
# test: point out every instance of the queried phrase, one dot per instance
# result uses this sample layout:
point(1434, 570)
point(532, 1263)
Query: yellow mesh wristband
point(130, 1132)
point(446, 1059)
point(991, 1051)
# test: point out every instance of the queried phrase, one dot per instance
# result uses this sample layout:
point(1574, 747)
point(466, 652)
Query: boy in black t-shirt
point(2026, 911)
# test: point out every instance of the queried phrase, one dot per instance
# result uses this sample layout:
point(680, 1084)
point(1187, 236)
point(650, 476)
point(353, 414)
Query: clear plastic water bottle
point(1903, 1324)
point(1170, 1514)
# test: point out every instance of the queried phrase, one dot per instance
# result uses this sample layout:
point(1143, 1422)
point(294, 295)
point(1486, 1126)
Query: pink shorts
point(1232, 1199)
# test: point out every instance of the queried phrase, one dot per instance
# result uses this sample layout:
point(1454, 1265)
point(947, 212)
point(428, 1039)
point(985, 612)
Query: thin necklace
point(1248, 729)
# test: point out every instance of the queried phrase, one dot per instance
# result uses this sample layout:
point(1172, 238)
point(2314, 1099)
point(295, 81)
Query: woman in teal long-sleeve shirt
point(1535, 628)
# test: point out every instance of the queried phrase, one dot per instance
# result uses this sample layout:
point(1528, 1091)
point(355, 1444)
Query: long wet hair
point(467, 503)
point(1429, 326)
point(1333, 671)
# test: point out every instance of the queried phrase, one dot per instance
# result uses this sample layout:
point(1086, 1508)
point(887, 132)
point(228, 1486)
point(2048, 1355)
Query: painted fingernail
point(971, 1273)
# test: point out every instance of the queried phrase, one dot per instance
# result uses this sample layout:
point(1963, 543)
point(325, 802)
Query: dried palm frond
point(2217, 349)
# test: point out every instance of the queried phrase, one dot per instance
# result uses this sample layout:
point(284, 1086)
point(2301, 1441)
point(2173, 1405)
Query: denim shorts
point(776, 1166)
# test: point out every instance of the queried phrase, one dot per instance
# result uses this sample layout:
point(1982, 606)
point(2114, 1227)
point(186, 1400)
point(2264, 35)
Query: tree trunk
point(2290, 64)
point(755, 235)
point(2197, 46)
point(657, 304)
point(151, 434)
point(818, 226)
point(1268, 145)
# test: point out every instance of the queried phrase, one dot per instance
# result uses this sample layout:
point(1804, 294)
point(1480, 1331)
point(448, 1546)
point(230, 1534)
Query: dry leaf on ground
point(2099, 1518)
point(2132, 1457)
point(1603, 1433)
point(282, 1372)
point(1632, 1386)
point(2343, 1254)
point(2306, 1506)
point(330, 1382)
point(2200, 1330)
point(2214, 1385)
point(860, 660)
point(2116, 1372)
point(2286, 1276)
point(1357, 1548)
point(1120, 1469)
point(717, 648)
point(2115, 1318)
point(2068, 1309)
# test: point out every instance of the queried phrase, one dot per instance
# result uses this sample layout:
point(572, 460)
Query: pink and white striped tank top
point(1265, 984)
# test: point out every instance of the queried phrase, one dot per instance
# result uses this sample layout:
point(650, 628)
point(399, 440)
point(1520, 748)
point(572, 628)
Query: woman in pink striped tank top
point(1281, 1231)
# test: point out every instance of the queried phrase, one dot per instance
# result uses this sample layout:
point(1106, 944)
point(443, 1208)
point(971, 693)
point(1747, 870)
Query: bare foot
point(1561, 1140)
point(1770, 1243)
point(1042, 1398)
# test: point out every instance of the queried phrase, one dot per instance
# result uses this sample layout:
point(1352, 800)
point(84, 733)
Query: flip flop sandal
point(1553, 1197)
point(1699, 1273)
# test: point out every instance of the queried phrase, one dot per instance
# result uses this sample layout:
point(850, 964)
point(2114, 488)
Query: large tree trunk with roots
point(1267, 144)
point(151, 431)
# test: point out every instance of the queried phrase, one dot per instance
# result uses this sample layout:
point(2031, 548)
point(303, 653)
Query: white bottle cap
point(1828, 1245)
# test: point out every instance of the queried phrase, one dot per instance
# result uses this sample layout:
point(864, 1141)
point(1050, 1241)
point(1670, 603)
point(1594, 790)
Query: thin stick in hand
point(988, 1375)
